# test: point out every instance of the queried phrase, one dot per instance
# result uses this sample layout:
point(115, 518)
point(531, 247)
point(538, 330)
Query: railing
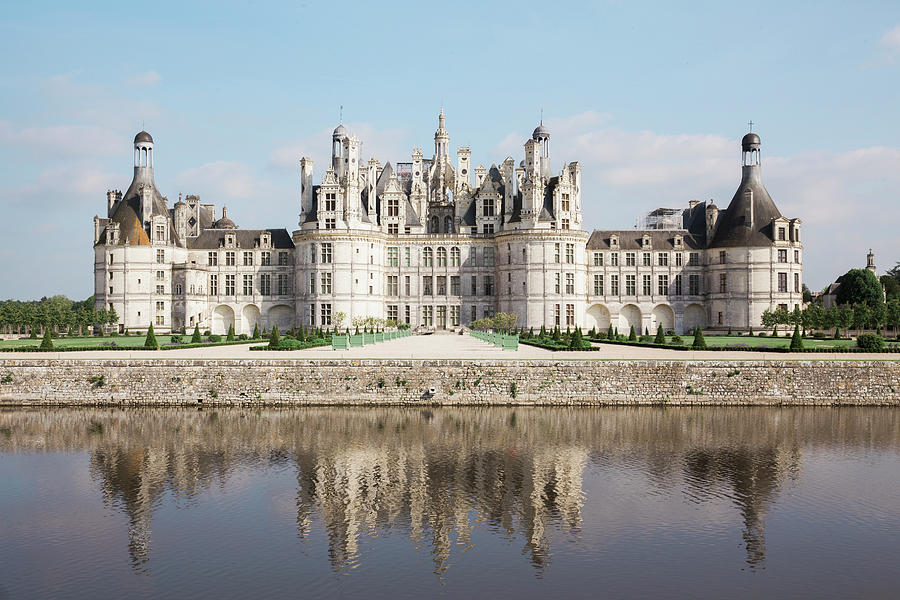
point(504, 341)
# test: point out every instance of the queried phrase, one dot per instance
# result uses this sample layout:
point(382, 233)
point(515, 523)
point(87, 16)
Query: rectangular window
point(393, 312)
point(488, 285)
point(488, 207)
point(406, 285)
point(393, 286)
point(570, 254)
point(229, 259)
point(646, 287)
point(393, 207)
point(330, 224)
point(454, 285)
point(694, 259)
point(160, 289)
point(427, 282)
point(570, 283)
point(284, 284)
point(312, 283)
point(598, 285)
point(312, 315)
point(326, 315)
point(454, 316)
point(428, 257)
point(454, 256)
point(723, 283)
point(442, 285)
point(662, 259)
point(630, 287)
point(283, 259)
point(160, 275)
point(663, 284)
point(325, 280)
point(160, 306)
point(488, 228)
point(428, 316)
point(248, 259)
point(229, 285)
point(782, 282)
point(721, 257)
point(558, 287)
point(212, 258)
point(678, 290)
point(248, 285)
point(160, 319)
point(564, 224)
point(781, 234)
point(474, 285)
point(160, 233)
point(570, 314)
point(614, 285)
point(474, 314)
point(556, 252)
point(326, 253)
point(406, 314)
point(442, 257)
point(556, 314)
point(694, 285)
point(646, 259)
point(393, 257)
point(797, 256)
point(213, 285)
point(265, 258)
point(598, 259)
point(629, 259)
point(160, 256)
point(797, 282)
point(614, 259)
point(679, 259)
point(407, 256)
point(782, 256)
point(265, 284)
point(564, 202)
point(489, 257)
point(331, 201)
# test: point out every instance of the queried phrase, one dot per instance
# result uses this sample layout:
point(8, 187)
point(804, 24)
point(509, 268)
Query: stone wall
point(298, 382)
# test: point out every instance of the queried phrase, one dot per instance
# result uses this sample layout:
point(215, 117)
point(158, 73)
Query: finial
point(341, 122)
point(542, 115)
point(751, 126)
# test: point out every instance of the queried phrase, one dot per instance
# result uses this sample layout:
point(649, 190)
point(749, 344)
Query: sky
point(651, 98)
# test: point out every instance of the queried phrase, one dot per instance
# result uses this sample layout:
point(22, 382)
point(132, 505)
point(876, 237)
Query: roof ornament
point(751, 125)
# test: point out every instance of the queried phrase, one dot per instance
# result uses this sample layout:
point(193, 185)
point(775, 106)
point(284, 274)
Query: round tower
point(337, 149)
point(143, 150)
point(750, 150)
point(441, 139)
point(541, 135)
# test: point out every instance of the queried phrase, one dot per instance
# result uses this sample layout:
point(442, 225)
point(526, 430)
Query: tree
point(256, 331)
point(609, 332)
point(150, 342)
point(813, 317)
point(338, 318)
point(893, 314)
point(230, 336)
point(196, 339)
point(860, 286)
point(274, 339)
point(632, 336)
point(796, 340)
point(47, 342)
point(699, 342)
point(660, 335)
point(576, 342)
point(891, 287)
point(862, 315)
point(807, 295)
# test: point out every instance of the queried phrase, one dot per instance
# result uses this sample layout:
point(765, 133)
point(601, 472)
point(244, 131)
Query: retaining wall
point(299, 382)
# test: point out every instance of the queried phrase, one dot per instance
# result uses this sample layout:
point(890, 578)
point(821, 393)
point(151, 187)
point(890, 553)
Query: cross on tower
point(342, 114)
point(751, 126)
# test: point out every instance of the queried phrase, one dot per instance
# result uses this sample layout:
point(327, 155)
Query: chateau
point(430, 243)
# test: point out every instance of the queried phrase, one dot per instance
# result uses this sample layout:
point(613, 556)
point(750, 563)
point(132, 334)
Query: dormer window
point(614, 241)
point(679, 241)
point(645, 242)
point(229, 240)
point(265, 240)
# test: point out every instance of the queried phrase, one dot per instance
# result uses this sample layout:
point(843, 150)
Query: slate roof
point(245, 238)
point(632, 239)
point(733, 229)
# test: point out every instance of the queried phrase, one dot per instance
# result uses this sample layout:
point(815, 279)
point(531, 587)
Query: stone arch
point(694, 315)
point(281, 315)
point(435, 224)
point(598, 317)
point(249, 318)
point(630, 316)
point(223, 319)
point(662, 315)
point(448, 224)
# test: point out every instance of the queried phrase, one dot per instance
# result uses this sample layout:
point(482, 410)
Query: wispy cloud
point(384, 144)
point(146, 79)
point(62, 140)
point(890, 41)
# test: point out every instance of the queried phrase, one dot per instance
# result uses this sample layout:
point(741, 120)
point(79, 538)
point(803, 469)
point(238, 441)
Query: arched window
point(435, 225)
point(428, 257)
point(448, 224)
point(454, 256)
point(442, 257)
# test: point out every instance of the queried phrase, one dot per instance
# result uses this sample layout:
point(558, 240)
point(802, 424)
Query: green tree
point(699, 341)
point(47, 342)
point(609, 332)
point(660, 335)
point(891, 287)
point(274, 339)
point(195, 338)
point(256, 332)
point(807, 295)
point(796, 339)
point(860, 286)
point(813, 317)
point(632, 336)
point(862, 316)
point(230, 336)
point(150, 342)
point(575, 341)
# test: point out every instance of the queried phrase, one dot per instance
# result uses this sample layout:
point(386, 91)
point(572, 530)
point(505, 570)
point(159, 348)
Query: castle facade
point(437, 244)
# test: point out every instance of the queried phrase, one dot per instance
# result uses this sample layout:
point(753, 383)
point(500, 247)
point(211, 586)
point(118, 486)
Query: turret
point(441, 139)
point(463, 157)
point(338, 160)
point(870, 262)
point(542, 136)
point(306, 187)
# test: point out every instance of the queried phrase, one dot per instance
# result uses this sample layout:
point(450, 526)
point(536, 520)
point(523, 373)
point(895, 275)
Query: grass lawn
point(131, 341)
point(771, 342)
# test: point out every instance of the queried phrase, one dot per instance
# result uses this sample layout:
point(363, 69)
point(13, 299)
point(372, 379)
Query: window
point(454, 316)
point(331, 201)
point(694, 259)
point(797, 256)
point(679, 259)
point(393, 312)
point(442, 257)
point(454, 285)
point(265, 258)
point(782, 256)
point(406, 312)
point(213, 285)
point(488, 285)
point(678, 290)
point(427, 282)
point(570, 314)
point(265, 284)
point(720, 317)
point(782, 282)
point(393, 286)
point(598, 259)
point(248, 285)
point(454, 256)
point(564, 202)
point(110, 258)
point(646, 287)
point(488, 207)
point(614, 259)
point(326, 253)
point(212, 258)
point(229, 285)
point(312, 315)
point(630, 287)
point(556, 252)
point(407, 256)
point(248, 259)
point(312, 283)
point(570, 283)
point(489, 257)
point(662, 284)
point(284, 284)
point(326, 314)
point(614, 285)
point(325, 280)
point(160, 289)
point(160, 319)
point(629, 259)
point(557, 288)
point(427, 316)
point(441, 285)
point(393, 229)
point(662, 259)
point(160, 275)
point(797, 282)
point(796, 234)
point(723, 283)
point(474, 285)
point(781, 234)
point(393, 257)
point(283, 258)
point(393, 206)
point(160, 306)
point(598, 285)
point(428, 257)
point(178, 289)
point(570, 253)
point(488, 228)
point(564, 224)
point(556, 315)
point(721, 257)
point(330, 224)
point(646, 259)
point(474, 313)
point(229, 259)
point(160, 256)
point(694, 285)
point(406, 282)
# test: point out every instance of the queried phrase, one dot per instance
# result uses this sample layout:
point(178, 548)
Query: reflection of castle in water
point(436, 477)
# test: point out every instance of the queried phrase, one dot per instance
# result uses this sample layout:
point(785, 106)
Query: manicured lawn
point(771, 342)
point(91, 342)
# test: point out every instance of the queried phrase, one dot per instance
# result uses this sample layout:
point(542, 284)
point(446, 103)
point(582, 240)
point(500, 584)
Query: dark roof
point(750, 142)
point(547, 210)
point(143, 136)
point(632, 239)
point(312, 215)
point(246, 239)
point(539, 132)
point(224, 223)
point(735, 228)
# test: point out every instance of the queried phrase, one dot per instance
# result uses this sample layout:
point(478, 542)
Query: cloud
point(62, 140)
point(146, 79)
point(221, 179)
point(890, 41)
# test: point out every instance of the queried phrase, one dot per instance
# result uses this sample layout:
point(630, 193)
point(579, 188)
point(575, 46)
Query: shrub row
point(92, 348)
point(291, 344)
point(784, 349)
point(556, 346)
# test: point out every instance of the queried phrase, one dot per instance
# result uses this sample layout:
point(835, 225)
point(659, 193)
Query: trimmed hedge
point(549, 344)
point(291, 344)
point(113, 348)
point(783, 349)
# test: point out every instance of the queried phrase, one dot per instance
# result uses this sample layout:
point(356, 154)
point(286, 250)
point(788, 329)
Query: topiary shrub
point(256, 332)
point(196, 339)
point(47, 342)
point(645, 339)
point(243, 336)
point(660, 335)
point(150, 342)
point(609, 332)
point(699, 342)
point(677, 341)
point(864, 341)
point(175, 339)
point(837, 333)
point(230, 337)
point(796, 340)
point(632, 336)
point(215, 338)
point(274, 338)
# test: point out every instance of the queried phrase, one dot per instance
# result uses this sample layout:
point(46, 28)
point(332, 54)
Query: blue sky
point(652, 98)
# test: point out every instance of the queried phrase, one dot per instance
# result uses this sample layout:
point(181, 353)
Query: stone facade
point(306, 382)
point(430, 243)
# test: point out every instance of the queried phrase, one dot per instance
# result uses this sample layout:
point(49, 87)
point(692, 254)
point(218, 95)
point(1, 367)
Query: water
point(452, 502)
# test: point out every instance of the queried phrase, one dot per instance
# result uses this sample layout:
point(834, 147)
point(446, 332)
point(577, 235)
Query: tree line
point(59, 314)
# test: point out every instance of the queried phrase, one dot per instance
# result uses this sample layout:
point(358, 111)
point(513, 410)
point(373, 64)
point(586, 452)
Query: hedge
point(556, 346)
point(783, 349)
point(290, 344)
point(135, 348)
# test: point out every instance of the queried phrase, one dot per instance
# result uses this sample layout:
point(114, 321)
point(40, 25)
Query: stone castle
point(432, 244)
